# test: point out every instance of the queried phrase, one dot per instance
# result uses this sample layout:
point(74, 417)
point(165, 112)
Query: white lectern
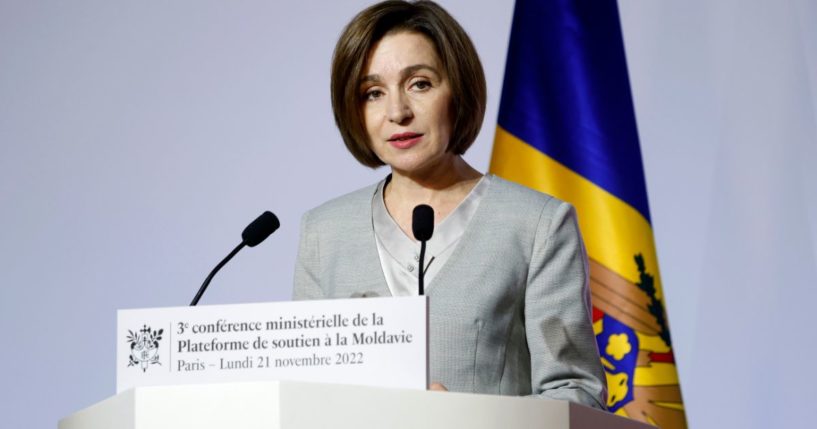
point(298, 405)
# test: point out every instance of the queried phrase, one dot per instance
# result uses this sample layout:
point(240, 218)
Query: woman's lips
point(405, 140)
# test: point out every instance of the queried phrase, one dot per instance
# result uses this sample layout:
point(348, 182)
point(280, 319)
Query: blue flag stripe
point(566, 93)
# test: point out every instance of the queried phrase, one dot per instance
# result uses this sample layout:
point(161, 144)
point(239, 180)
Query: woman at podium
point(506, 271)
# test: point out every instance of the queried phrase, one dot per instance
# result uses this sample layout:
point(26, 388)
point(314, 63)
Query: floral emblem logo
point(144, 347)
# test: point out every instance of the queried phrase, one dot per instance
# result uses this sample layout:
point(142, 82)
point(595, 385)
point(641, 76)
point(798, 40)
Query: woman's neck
point(443, 188)
point(452, 170)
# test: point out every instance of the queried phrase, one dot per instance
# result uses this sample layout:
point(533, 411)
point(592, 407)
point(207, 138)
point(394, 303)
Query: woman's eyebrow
point(406, 72)
point(372, 78)
point(411, 69)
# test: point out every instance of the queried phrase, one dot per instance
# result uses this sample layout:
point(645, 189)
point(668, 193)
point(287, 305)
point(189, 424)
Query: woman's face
point(406, 103)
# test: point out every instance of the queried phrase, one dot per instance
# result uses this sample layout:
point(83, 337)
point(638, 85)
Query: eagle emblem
point(635, 347)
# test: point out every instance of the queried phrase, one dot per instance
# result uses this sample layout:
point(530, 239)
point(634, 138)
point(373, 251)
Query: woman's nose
point(398, 109)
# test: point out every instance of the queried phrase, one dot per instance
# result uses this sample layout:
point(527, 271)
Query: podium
point(299, 405)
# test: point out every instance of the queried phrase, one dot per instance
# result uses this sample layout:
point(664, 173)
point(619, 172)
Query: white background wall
point(138, 138)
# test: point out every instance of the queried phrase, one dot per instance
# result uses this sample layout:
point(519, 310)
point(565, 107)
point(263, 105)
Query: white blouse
point(400, 254)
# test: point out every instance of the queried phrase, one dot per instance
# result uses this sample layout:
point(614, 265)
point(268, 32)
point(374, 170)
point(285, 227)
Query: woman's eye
point(373, 94)
point(421, 84)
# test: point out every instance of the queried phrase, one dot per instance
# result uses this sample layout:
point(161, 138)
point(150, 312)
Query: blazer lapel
point(365, 274)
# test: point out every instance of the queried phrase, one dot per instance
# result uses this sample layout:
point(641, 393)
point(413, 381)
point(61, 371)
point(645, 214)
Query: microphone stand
point(422, 267)
point(213, 273)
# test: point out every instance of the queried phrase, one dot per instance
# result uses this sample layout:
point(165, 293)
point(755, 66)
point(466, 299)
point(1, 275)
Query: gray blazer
point(509, 312)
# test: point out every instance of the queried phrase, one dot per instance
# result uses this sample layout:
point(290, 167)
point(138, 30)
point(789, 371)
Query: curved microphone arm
point(213, 273)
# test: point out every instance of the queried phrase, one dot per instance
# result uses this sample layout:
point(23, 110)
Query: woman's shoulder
point(343, 207)
point(513, 195)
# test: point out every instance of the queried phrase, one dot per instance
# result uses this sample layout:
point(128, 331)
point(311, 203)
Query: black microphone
point(253, 235)
point(422, 226)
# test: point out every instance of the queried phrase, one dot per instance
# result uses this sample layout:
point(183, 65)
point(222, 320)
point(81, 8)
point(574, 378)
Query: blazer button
point(410, 268)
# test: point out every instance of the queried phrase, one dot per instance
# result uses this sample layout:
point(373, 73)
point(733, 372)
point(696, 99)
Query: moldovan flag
point(567, 128)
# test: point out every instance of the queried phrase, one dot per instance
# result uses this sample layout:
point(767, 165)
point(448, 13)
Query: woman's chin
point(419, 165)
point(408, 165)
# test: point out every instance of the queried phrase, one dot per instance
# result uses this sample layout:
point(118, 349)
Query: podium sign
point(373, 341)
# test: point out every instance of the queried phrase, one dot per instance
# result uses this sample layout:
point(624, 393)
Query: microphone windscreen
point(260, 229)
point(422, 222)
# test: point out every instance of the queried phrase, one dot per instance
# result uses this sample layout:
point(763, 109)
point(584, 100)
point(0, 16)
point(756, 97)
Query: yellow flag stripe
point(613, 231)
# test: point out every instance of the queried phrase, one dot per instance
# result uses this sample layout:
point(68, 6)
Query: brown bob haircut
point(457, 54)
